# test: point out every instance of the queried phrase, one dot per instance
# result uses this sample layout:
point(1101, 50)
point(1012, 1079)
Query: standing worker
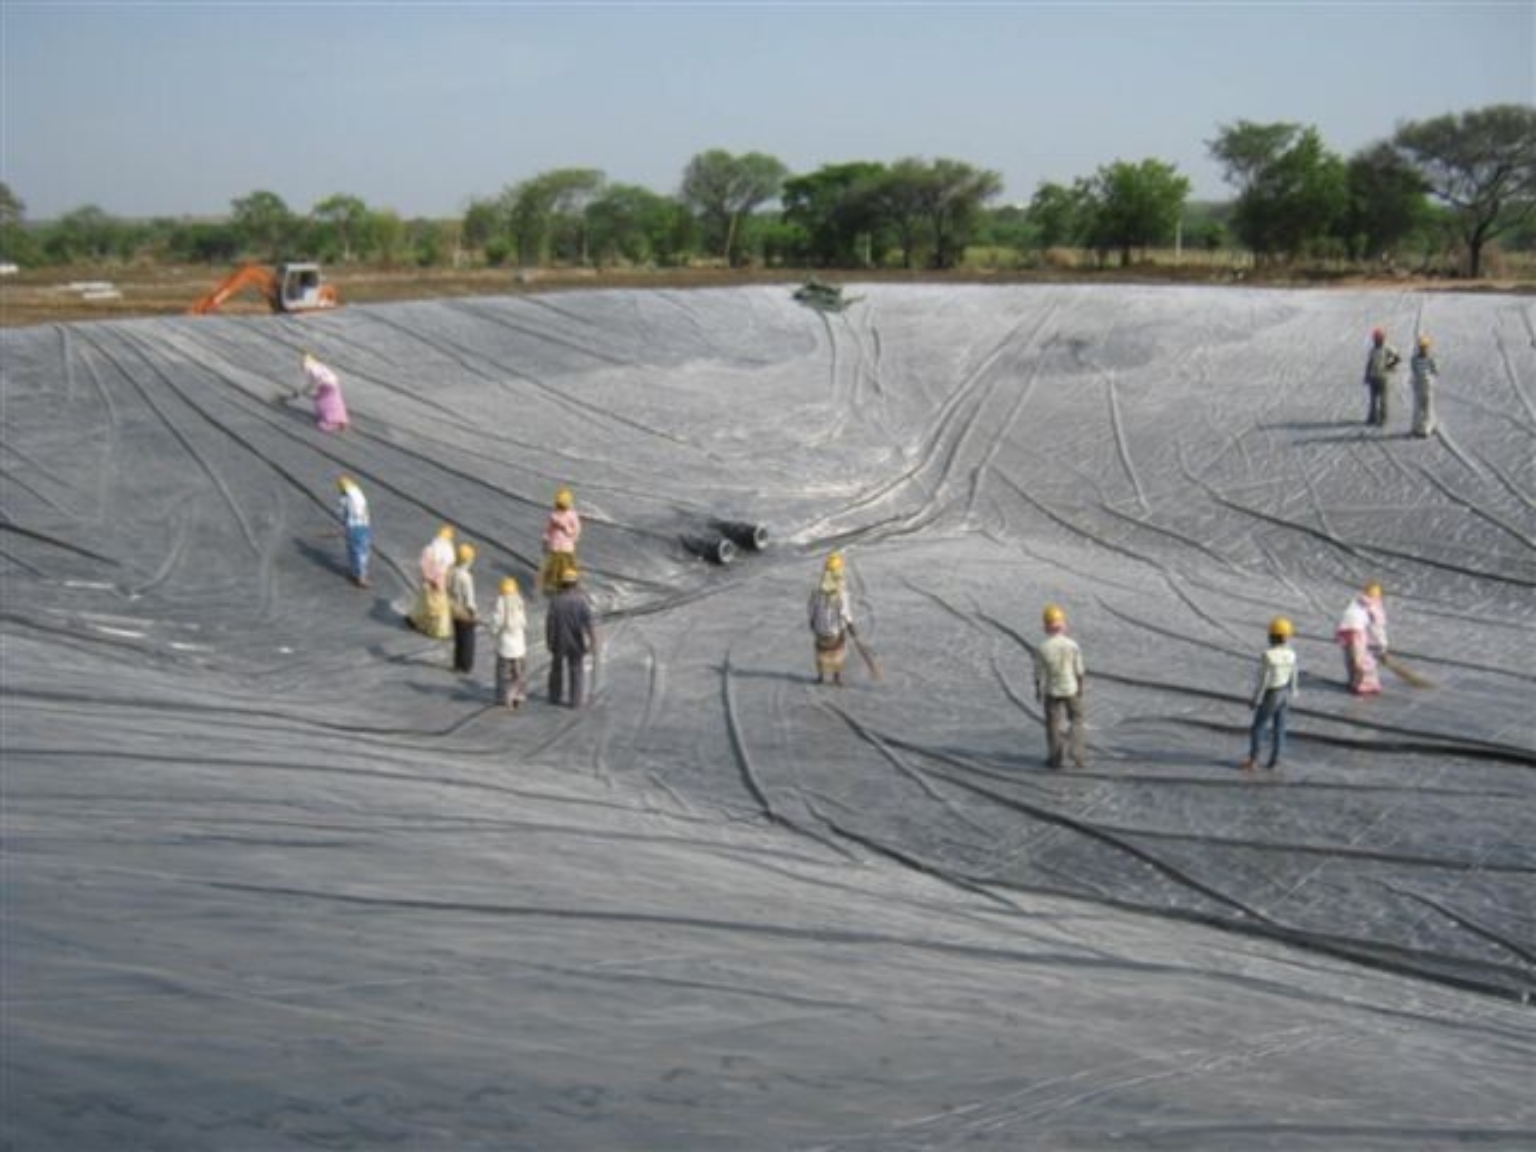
point(352, 508)
point(1059, 681)
point(325, 386)
point(570, 634)
point(462, 608)
point(831, 620)
point(1380, 363)
point(561, 531)
point(430, 616)
point(1362, 634)
point(509, 623)
point(1278, 684)
point(1422, 371)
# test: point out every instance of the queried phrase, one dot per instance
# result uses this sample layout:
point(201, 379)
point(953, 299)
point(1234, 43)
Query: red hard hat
point(1378, 334)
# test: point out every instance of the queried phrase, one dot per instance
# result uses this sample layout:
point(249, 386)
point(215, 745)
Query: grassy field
point(53, 295)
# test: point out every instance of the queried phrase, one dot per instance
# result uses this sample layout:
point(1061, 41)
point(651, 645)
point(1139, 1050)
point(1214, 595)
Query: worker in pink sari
point(1362, 634)
point(323, 384)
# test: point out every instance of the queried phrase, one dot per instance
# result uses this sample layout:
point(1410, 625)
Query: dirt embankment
point(53, 295)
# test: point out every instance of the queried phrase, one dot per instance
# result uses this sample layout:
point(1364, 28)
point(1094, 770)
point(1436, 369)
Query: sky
point(175, 109)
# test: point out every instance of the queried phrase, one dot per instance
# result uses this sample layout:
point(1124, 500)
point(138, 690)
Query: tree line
point(1451, 183)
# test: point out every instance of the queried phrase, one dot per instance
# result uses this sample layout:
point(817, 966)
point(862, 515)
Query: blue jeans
point(359, 539)
point(1272, 710)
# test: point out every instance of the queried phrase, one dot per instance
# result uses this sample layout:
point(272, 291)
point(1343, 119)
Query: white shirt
point(1059, 666)
point(509, 623)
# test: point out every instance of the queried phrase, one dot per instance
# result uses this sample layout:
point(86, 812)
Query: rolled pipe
point(715, 549)
point(743, 533)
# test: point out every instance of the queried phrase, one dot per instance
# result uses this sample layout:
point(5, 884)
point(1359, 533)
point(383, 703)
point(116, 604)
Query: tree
point(1059, 215)
point(900, 197)
point(1386, 201)
point(1135, 205)
point(264, 223)
point(547, 210)
point(722, 188)
point(630, 223)
point(15, 243)
point(1291, 189)
point(1482, 164)
point(837, 213)
point(950, 194)
point(346, 216)
point(484, 220)
point(11, 207)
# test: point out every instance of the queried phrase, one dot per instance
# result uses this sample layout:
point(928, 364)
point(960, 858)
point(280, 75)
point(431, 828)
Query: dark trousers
point(1064, 729)
point(1376, 408)
point(1273, 709)
point(463, 645)
point(567, 672)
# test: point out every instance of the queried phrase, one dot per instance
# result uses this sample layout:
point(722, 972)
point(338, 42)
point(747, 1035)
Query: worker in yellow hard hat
point(509, 626)
point(831, 620)
point(1422, 374)
point(430, 616)
point(570, 635)
point(1278, 684)
point(352, 510)
point(1060, 676)
point(1362, 635)
point(463, 610)
point(561, 531)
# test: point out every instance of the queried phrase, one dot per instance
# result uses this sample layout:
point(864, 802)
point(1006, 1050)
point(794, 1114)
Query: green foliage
point(345, 217)
point(1292, 191)
point(546, 214)
point(632, 225)
point(265, 225)
point(1482, 164)
point(1386, 202)
point(837, 217)
point(1059, 215)
point(1135, 206)
point(723, 188)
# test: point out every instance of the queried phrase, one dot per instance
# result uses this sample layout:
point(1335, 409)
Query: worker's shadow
point(326, 558)
point(767, 674)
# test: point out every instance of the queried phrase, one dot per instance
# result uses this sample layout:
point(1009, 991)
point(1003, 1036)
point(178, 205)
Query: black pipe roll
point(715, 549)
point(743, 533)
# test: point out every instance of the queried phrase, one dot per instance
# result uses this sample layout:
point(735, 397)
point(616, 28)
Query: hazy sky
point(177, 108)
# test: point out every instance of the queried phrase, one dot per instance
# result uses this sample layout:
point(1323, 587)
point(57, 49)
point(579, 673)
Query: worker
point(1380, 363)
point(1059, 681)
point(570, 634)
point(1278, 684)
point(463, 610)
point(352, 509)
point(324, 385)
point(561, 531)
point(509, 623)
point(431, 616)
point(831, 620)
point(1362, 634)
point(1422, 371)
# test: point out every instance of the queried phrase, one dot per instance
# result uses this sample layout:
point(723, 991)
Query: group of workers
point(1380, 362)
point(446, 607)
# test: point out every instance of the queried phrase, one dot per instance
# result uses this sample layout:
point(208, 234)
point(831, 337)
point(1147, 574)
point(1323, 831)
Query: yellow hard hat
point(1424, 340)
point(508, 585)
point(466, 553)
point(835, 562)
point(564, 498)
point(1281, 626)
point(569, 576)
point(445, 532)
point(1373, 590)
point(344, 482)
point(1053, 616)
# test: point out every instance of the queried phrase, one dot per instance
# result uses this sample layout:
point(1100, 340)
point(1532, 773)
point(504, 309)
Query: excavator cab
point(286, 288)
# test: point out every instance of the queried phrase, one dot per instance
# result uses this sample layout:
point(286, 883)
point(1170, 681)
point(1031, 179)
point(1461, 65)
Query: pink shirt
point(562, 530)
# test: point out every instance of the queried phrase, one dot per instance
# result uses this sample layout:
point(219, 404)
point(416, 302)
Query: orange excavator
point(286, 288)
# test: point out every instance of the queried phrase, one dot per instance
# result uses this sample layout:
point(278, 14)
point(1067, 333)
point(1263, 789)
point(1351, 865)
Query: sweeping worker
point(831, 620)
point(463, 610)
point(352, 509)
point(1059, 680)
point(430, 616)
point(1422, 372)
point(509, 625)
point(561, 531)
point(1380, 362)
point(1362, 634)
point(1276, 687)
point(325, 386)
point(570, 634)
